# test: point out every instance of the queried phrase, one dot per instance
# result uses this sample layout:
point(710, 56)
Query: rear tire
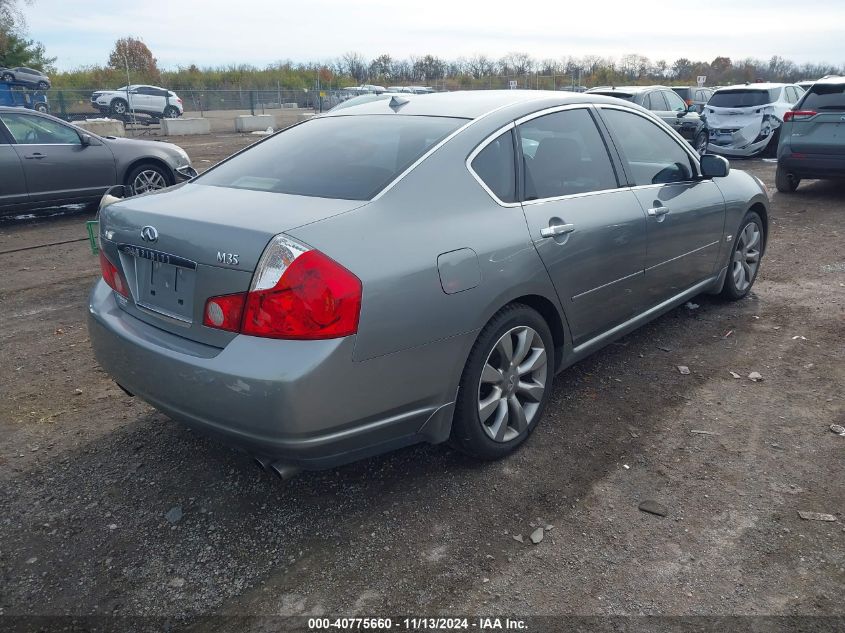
point(8, 77)
point(505, 384)
point(43, 85)
point(748, 247)
point(771, 150)
point(171, 112)
point(119, 107)
point(785, 181)
point(41, 108)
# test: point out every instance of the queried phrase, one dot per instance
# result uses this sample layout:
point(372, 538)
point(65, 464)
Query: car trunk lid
point(183, 245)
point(823, 133)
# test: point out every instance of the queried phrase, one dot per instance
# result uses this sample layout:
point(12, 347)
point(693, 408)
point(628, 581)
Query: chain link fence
point(75, 104)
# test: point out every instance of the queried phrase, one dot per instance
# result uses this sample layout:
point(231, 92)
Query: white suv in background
point(745, 120)
point(150, 100)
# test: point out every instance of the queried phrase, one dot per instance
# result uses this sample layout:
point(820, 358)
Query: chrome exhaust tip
point(284, 471)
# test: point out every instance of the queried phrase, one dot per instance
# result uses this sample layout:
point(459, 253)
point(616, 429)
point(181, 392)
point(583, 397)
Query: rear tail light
point(798, 115)
point(296, 293)
point(112, 276)
point(225, 312)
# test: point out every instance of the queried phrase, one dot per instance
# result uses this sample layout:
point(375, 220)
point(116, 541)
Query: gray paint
point(459, 270)
point(319, 403)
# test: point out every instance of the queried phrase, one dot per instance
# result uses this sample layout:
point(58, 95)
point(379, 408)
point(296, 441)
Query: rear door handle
point(557, 229)
point(35, 156)
point(657, 212)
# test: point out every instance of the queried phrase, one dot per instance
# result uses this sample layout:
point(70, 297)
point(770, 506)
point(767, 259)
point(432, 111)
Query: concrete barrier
point(250, 123)
point(185, 126)
point(103, 127)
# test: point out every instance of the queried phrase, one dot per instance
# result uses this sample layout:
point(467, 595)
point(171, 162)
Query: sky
point(260, 32)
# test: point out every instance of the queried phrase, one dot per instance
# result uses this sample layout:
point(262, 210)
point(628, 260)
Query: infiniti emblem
point(149, 234)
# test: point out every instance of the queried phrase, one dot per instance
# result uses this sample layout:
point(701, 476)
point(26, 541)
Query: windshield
point(825, 97)
point(742, 98)
point(348, 157)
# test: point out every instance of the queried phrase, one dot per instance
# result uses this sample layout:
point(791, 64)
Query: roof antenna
point(397, 102)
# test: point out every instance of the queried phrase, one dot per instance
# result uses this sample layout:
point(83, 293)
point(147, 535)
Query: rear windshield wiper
point(831, 107)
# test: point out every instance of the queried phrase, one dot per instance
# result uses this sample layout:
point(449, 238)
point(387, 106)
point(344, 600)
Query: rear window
point(618, 95)
point(347, 157)
point(742, 98)
point(683, 93)
point(825, 97)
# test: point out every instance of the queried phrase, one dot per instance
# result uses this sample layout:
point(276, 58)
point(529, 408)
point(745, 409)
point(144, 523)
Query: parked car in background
point(417, 90)
point(277, 301)
point(47, 162)
point(367, 98)
point(812, 140)
point(365, 89)
point(149, 100)
point(666, 104)
point(745, 120)
point(697, 96)
point(26, 76)
point(14, 95)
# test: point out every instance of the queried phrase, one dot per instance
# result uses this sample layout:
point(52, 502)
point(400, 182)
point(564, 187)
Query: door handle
point(657, 212)
point(557, 229)
point(35, 156)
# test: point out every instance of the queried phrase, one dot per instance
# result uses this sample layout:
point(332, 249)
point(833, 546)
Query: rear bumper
point(306, 403)
point(814, 165)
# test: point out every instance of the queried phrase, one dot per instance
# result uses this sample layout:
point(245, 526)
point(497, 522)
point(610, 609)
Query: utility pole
point(129, 81)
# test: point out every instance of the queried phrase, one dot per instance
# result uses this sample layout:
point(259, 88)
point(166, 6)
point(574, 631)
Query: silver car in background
point(412, 271)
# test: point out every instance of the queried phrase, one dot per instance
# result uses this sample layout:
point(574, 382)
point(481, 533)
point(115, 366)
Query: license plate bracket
point(164, 283)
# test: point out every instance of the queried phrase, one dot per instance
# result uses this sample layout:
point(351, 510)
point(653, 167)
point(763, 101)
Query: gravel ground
point(108, 507)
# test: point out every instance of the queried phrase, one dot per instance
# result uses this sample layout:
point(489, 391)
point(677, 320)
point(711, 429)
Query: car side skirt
point(617, 332)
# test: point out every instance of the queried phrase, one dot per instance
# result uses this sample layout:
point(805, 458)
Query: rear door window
point(825, 97)
point(652, 156)
point(496, 167)
point(347, 157)
point(564, 154)
point(656, 101)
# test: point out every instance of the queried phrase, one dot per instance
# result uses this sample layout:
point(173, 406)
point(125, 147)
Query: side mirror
point(112, 195)
point(85, 139)
point(713, 166)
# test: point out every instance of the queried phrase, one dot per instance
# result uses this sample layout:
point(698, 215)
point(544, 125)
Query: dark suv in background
point(694, 95)
point(666, 104)
point(812, 138)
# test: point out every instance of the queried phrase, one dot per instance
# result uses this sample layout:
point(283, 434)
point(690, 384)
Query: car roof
point(833, 79)
point(468, 104)
point(755, 86)
point(630, 89)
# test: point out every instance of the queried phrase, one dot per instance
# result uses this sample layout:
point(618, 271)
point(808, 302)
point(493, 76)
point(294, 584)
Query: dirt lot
point(87, 474)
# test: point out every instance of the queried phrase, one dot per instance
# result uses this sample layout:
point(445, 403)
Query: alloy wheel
point(746, 257)
point(119, 108)
point(148, 180)
point(512, 384)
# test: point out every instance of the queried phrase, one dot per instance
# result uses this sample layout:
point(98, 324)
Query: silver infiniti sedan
point(413, 270)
